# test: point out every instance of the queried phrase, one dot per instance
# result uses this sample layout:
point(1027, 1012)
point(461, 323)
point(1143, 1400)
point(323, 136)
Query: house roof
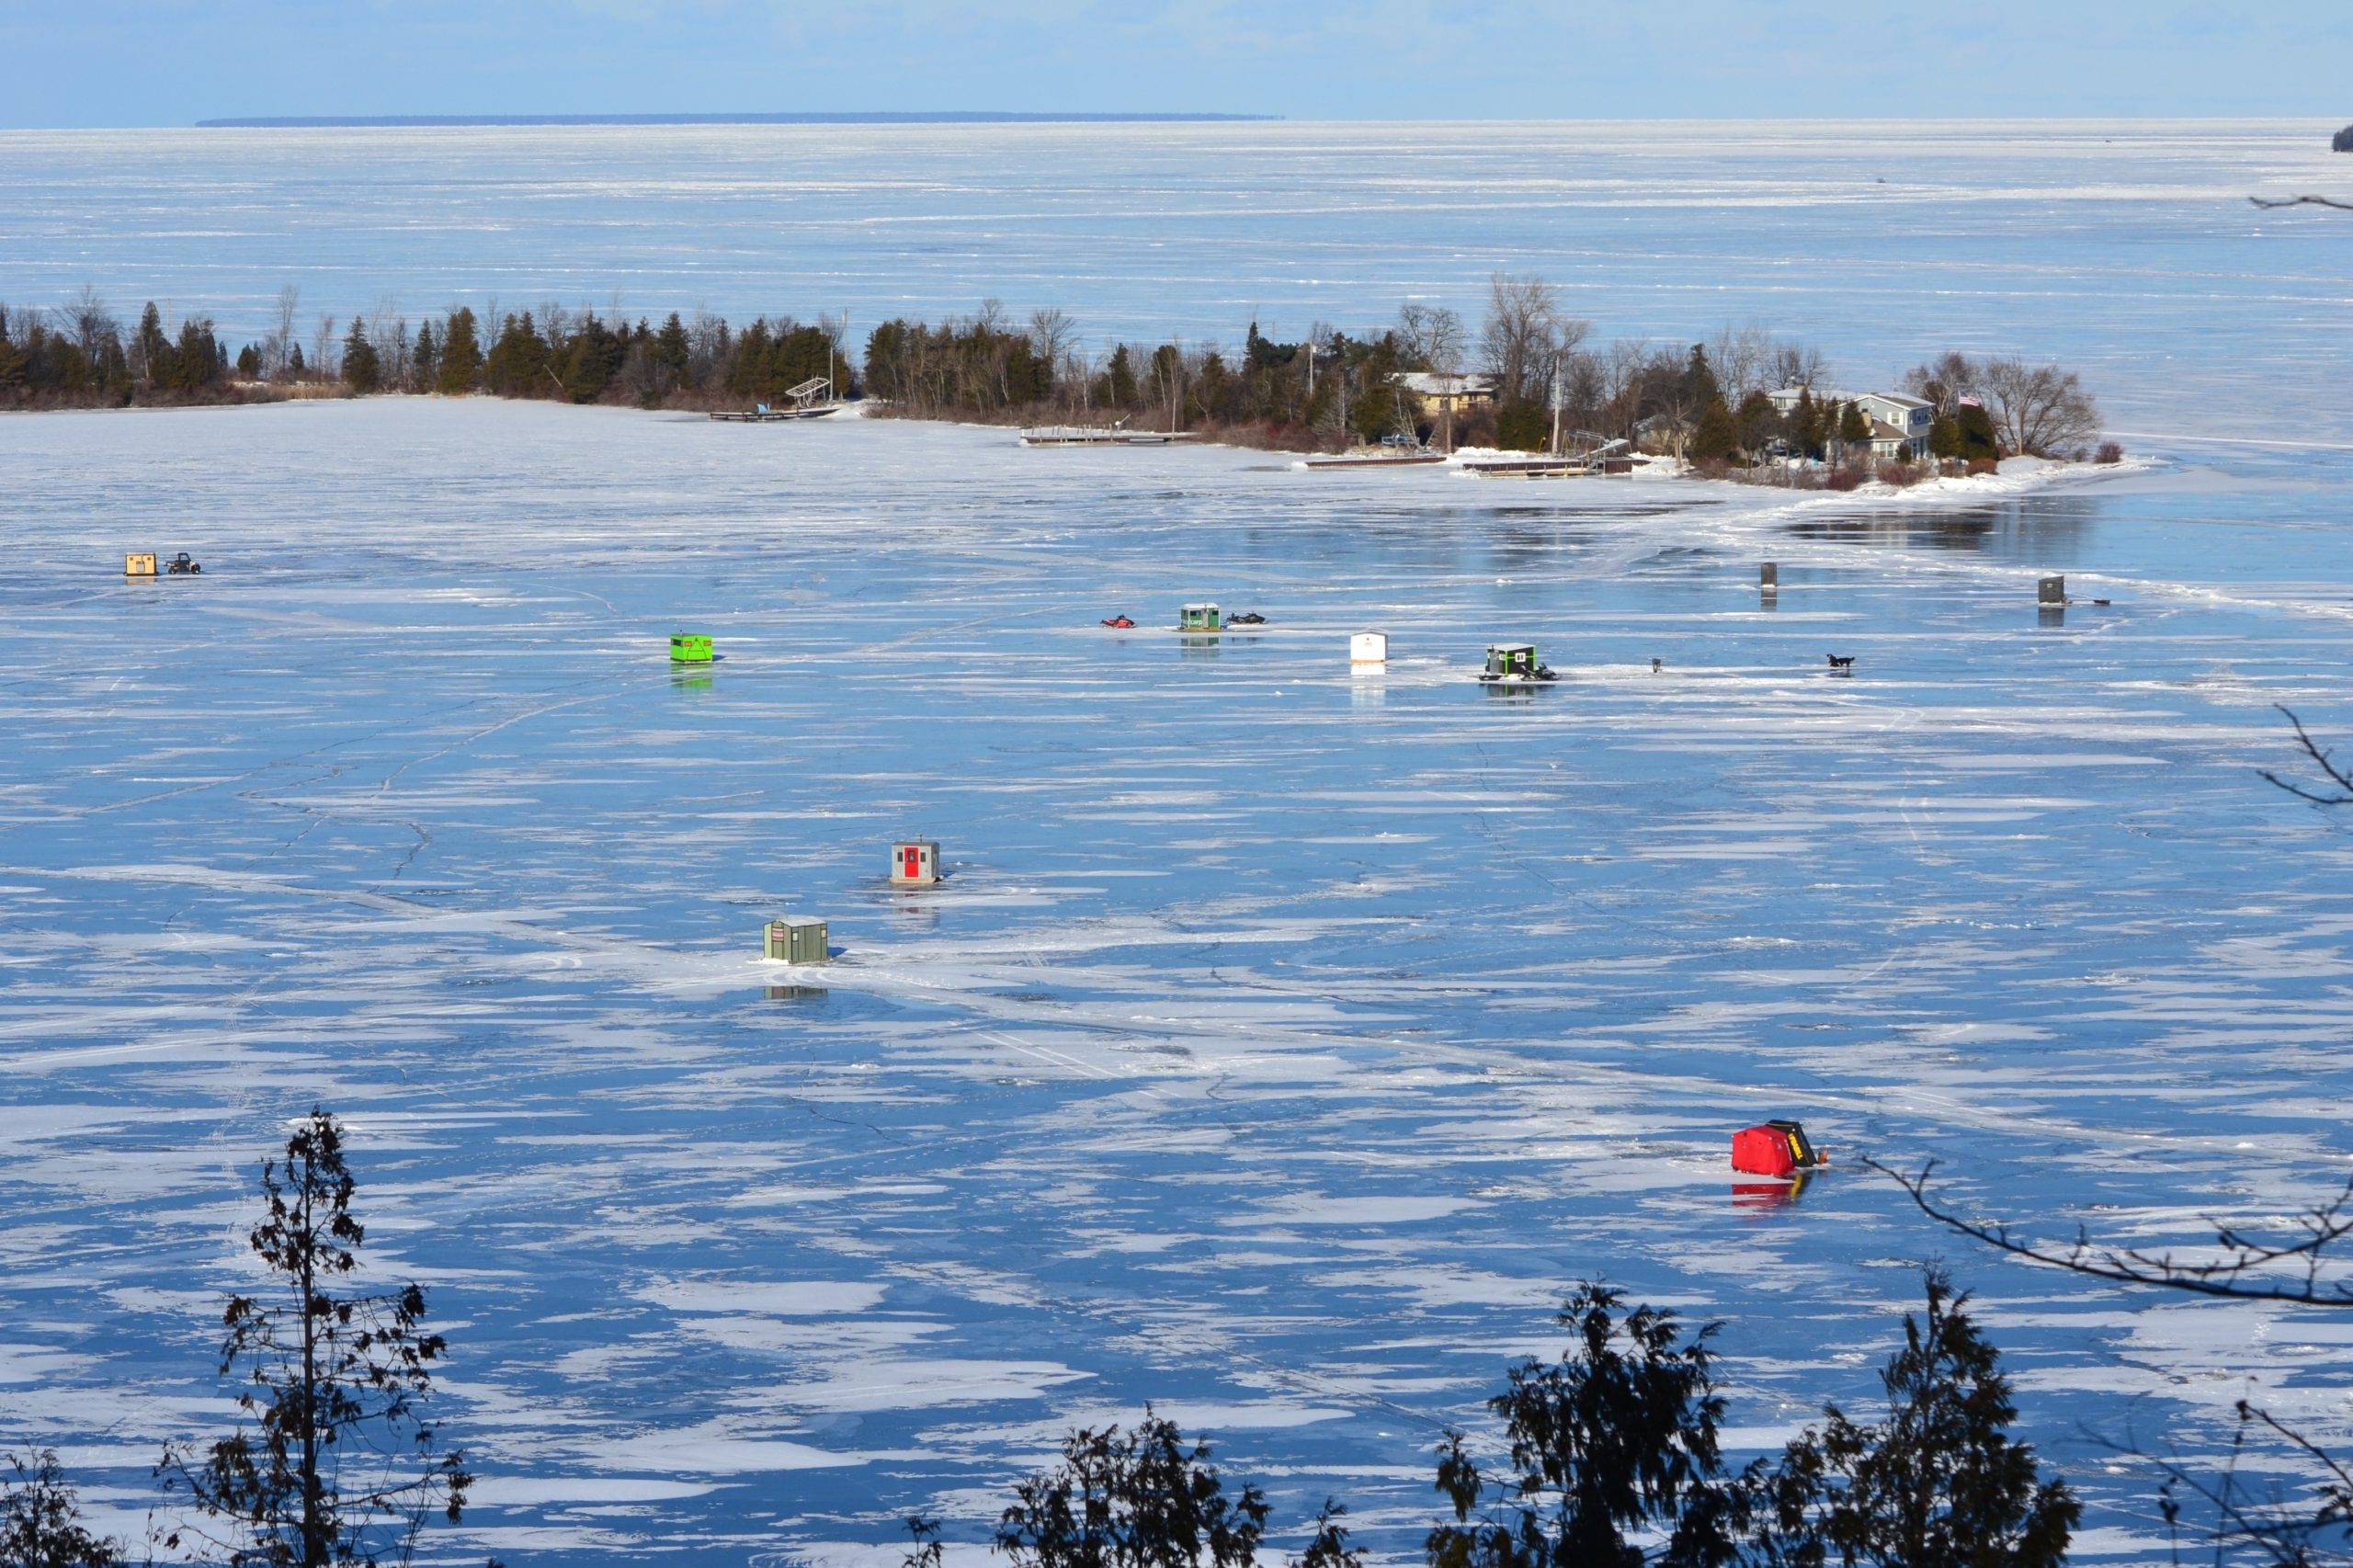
point(1430, 384)
point(1786, 397)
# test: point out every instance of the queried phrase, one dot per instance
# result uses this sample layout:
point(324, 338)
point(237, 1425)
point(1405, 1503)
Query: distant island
point(878, 116)
point(1745, 405)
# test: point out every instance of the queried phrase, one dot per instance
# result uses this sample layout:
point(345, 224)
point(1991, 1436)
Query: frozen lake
point(1282, 1041)
point(2126, 249)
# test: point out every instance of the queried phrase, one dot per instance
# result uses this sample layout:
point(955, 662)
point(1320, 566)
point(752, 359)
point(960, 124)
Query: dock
point(1100, 436)
point(1528, 468)
point(1368, 460)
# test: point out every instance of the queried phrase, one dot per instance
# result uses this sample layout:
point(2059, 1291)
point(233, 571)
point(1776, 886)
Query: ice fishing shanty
point(1202, 617)
point(690, 648)
point(914, 863)
point(797, 941)
point(1774, 1149)
point(1369, 650)
point(1515, 664)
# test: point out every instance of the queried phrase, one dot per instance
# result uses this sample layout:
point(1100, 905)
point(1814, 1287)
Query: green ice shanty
point(1200, 618)
point(690, 648)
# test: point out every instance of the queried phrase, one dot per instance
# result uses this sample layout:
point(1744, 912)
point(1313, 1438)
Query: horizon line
point(845, 117)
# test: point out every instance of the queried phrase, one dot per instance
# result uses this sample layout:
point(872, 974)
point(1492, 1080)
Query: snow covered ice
point(1283, 1039)
point(1283, 1042)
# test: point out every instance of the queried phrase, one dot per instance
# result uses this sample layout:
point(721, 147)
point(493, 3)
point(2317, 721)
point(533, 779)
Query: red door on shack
point(910, 861)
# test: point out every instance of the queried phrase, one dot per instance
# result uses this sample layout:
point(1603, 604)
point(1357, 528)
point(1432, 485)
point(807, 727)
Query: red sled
point(1775, 1149)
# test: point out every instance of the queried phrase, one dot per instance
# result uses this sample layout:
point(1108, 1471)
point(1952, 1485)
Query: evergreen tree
point(249, 363)
point(1940, 1485)
point(362, 370)
point(1717, 439)
point(673, 351)
point(1701, 388)
point(1977, 437)
point(1140, 1499)
point(1523, 427)
point(1805, 424)
point(1944, 438)
point(1854, 426)
point(40, 1521)
point(459, 356)
point(1618, 1435)
point(517, 363)
point(294, 359)
point(151, 350)
point(1759, 423)
point(425, 359)
point(338, 1467)
point(1123, 391)
point(1330, 1547)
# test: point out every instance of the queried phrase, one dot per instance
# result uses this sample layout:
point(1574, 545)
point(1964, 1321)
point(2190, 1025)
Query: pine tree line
point(1528, 380)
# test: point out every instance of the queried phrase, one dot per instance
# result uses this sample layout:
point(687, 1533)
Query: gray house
point(1899, 424)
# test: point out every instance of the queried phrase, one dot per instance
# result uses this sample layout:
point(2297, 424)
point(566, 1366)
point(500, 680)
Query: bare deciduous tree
point(1945, 381)
point(89, 321)
point(278, 346)
point(1052, 334)
point(322, 348)
point(1739, 356)
point(1432, 337)
point(1795, 365)
point(1521, 334)
point(2038, 410)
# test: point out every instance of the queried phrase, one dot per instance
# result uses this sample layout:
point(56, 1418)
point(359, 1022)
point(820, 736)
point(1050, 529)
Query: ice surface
point(1282, 1042)
point(2124, 248)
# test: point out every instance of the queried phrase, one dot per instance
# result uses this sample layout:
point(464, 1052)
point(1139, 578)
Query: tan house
point(1432, 392)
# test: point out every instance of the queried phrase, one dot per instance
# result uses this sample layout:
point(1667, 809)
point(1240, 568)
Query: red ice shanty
point(1775, 1149)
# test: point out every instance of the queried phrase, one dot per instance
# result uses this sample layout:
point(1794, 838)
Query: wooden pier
point(1100, 436)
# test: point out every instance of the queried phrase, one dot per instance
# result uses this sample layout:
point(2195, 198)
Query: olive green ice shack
point(797, 941)
point(1200, 618)
point(690, 648)
point(1514, 663)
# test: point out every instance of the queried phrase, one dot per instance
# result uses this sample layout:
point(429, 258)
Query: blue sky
point(172, 61)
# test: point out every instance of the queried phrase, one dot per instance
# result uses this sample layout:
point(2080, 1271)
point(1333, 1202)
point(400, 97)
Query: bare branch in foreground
point(2301, 202)
point(2284, 1530)
point(2241, 1274)
point(2335, 775)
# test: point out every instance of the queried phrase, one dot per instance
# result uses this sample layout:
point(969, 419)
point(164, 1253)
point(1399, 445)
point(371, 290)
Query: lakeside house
point(1899, 424)
point(1433, 392)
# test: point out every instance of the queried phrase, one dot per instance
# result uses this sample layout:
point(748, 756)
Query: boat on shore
point(813, 399)
point(763, 414)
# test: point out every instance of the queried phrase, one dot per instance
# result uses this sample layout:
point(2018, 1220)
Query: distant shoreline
point(884, 117)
